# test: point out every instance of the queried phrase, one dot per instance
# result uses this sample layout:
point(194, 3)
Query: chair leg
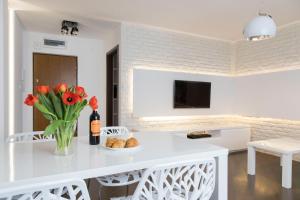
point(99, 195)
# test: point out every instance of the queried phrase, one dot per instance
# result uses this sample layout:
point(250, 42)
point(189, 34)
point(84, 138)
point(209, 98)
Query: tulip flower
point(61, 87)
point(43, 89)
point(70, 98)
point(31, 100)
point(80, 91)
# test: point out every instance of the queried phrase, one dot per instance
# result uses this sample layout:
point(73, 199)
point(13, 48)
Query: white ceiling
point(222, 19)
point(50, 22)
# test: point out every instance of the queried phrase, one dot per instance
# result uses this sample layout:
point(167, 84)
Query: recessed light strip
point(167, 118)
point(172, 69)
point(238, 74)
point(266, 71)
point(233, 118)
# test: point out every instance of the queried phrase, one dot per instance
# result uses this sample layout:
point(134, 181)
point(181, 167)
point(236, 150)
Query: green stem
point(43, 109)
point(64, 135)
point(67, 112)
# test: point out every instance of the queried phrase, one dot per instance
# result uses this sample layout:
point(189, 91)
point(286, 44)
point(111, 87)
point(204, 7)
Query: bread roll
point(119, 143)
point(131, 142)
point(110, 141)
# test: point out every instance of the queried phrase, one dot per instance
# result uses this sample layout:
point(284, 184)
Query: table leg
point(251, 160)
point(287, 161)
point(223, 177)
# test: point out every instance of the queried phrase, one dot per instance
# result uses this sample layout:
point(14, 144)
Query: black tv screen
point(191, 94)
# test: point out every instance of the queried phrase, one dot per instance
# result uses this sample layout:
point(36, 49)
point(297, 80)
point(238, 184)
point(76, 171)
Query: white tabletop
point(35, 162)
point(278, 145)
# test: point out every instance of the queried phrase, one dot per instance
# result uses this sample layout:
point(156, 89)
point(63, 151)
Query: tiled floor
point(266, 185)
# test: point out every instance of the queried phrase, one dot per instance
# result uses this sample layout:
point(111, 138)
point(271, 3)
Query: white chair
point(194, 180)
point(36, 136)
point(121, 179)
point(63, 190)
point(113, 131)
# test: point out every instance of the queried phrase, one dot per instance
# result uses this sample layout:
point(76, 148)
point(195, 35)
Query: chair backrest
point(36, 136)
point(193, 180)
point(113, 131)
point(64, 190)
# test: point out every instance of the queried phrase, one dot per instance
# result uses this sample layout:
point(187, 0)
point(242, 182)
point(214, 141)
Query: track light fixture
point(74, 31)
point(64, 30)
point(69, 25)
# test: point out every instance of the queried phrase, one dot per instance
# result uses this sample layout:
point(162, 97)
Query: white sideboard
point(234, 138)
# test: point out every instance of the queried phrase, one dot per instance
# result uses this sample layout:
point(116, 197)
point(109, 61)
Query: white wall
point(18, 71)
point(271, 95)
point(275, 95)
point(153, 94)
point(3, 62)
point(91, 70)
point(112, 38)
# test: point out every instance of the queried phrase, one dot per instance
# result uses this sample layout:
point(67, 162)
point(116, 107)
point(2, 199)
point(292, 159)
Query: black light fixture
point(64, 30)
point(69, 25)
point(74, 31)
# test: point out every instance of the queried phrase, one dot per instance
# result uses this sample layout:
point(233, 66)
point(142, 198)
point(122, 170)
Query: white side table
point(285, 147)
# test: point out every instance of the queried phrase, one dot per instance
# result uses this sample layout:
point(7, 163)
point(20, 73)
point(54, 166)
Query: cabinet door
point(235, 139)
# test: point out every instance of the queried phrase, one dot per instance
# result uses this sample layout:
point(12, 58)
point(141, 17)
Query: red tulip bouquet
point(62, 107)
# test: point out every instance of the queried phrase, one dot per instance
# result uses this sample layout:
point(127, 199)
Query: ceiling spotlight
point(64, 30)
point(69, 25)
point(261, 27)
point(74, 31)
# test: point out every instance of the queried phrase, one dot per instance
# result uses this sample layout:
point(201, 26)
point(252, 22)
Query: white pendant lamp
point(261, 27)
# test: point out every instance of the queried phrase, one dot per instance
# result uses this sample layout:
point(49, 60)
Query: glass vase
point(64, 137)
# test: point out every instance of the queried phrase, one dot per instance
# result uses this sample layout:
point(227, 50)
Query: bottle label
point(95, 127)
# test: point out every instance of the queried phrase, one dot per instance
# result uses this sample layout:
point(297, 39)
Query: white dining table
point(35, 162)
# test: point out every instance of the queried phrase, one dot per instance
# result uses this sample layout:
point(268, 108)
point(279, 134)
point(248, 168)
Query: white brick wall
point(263, 128)
point(157, 48)
point(153, 47)
point(279, 53)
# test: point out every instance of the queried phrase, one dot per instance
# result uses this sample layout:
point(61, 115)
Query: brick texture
point(264, 128)
point(152, 47)
point(279, 53)
point(156, 48)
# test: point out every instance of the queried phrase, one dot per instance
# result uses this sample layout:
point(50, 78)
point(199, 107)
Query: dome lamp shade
point(261, 27)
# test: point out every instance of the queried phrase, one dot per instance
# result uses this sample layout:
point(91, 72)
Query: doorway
point(49, 69)
point(112, 87)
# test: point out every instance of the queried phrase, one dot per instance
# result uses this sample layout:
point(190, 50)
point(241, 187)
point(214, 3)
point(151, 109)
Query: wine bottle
point(95, 126)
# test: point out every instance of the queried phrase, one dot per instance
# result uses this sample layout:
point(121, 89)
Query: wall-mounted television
point(191, 94)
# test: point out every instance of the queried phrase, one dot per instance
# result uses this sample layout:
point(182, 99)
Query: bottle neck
point(95, 111)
